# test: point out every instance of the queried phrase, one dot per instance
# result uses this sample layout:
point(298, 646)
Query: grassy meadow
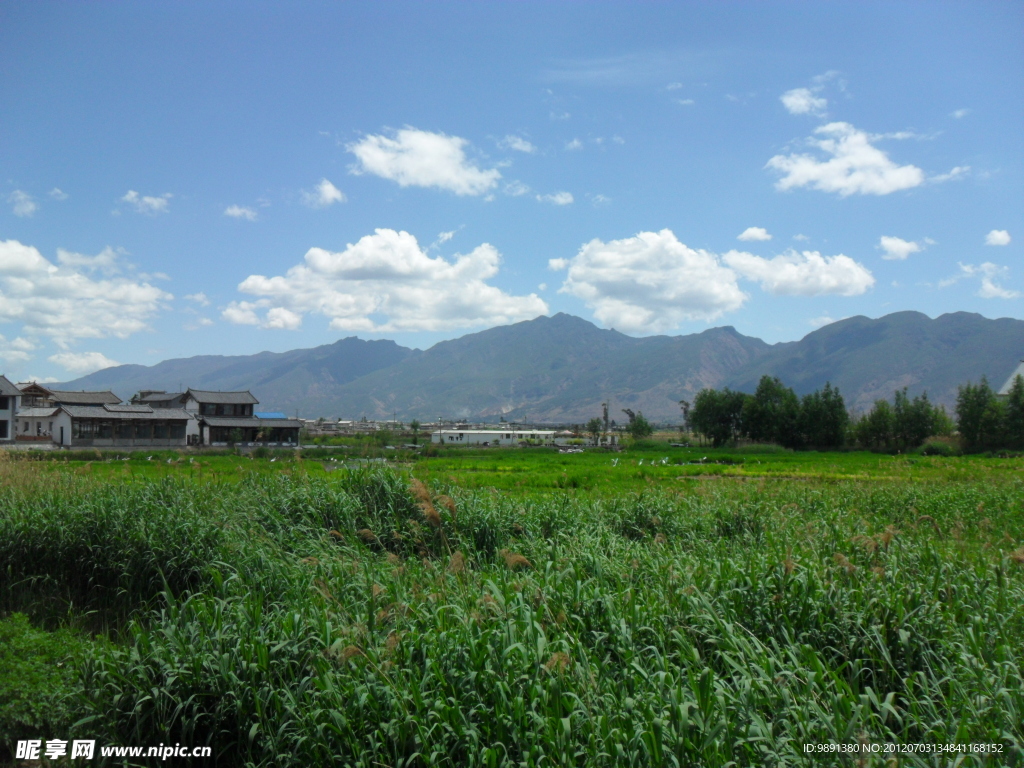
point(657, 606)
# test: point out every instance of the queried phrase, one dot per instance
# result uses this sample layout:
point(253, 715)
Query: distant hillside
point(870, 359)
point(561, 368)
point(301, 379)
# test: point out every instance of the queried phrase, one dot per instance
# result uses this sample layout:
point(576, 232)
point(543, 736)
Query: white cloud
point(754, 233)
point(282, 319)
point(801, 238)
point(802, 101)
point(517, 143)
point(897, 249)
point(600, 200)
point(323, 195)
point(385, 282)
point(574, 145)
point(673, 86)
point(854, 165)
point(686, 102)
point(81, 363)
point(988, 273)
point(803, 274)
point(542, 287)
point(955, 173)
point(444, 237)
point(199, 324)
point(199, 298)
point(57, 194)
point(516, 189)
point(649, 283)
point(22, 204)
point(959, 113)
point(17, 350)
point(65, 302)
point(416, 158)
point(558, 198)
point(820, 322)
point(997, 237)
point(240, 212)
point(147, 204)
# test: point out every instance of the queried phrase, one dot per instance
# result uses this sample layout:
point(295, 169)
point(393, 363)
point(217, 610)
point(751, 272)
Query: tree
point(875, 430)
point(594, 429)
point(823, 418)
point(685, 426)
point(979, 416)
point(414, 425)
point(638, 427)
point(1014, 414)
point(772, 415)
point(716, 415)
point(913, 420)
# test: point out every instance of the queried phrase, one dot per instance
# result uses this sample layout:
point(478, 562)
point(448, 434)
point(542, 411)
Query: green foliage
point(717, 415)
point(415, 425)
point(638, 427)
point(823, 418)
point(594, 428)
point(979, 416)
point(319, 619)
point(772, 415)
point(235, 436)
point(38, 671)
point(1014, 415)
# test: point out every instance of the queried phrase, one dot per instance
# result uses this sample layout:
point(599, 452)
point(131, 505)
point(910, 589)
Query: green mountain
point(562, 368)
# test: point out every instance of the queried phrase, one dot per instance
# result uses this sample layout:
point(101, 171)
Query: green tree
point(1014, 414)
point(772, 415)
point(979, 416)
point(823, 418)
point(913, 420)
point(414, 425)
point(638, 427)
point(594, 428)
point(716, 415)
point(875, 429)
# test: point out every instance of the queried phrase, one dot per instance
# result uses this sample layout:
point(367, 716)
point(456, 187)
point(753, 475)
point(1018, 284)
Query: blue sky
point(187, 178)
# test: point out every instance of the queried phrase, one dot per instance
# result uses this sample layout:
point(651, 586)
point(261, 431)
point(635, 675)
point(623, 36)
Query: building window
point(143, 430)
point(160, 430)
point(177, 430)
point(104, 430)
point(3, 430)
point(4, 404)
point(124, 430)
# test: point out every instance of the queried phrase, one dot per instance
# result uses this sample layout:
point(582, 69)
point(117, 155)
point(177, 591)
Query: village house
point(497, 437)
point(9, 396)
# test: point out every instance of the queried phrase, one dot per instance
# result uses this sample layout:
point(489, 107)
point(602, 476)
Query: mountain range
point(562, 368)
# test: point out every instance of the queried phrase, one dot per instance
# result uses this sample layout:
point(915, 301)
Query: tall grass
point(292, 620)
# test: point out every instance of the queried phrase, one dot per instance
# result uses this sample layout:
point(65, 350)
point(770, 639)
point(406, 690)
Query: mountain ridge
point(561, 368)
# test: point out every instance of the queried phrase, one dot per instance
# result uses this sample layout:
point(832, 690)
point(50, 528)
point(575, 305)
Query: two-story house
point(9, 396)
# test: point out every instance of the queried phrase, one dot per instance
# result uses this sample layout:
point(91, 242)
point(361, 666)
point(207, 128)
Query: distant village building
point(9, 397)
point(498, 437)
point(32, 413)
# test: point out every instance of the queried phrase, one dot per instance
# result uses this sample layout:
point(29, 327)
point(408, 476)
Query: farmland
point(659, 606)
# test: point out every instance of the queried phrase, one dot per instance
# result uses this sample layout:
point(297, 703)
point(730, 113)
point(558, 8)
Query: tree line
point(819, 420)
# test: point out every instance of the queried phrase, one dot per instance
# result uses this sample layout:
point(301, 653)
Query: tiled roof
point(84, 398)
point(127, 408)
point(37, 413)
point(99, 412)
point(159, 397)
point(8, 389)
point(222, 398)
point(227, 421)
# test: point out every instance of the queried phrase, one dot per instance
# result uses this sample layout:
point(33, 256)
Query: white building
point(507, 436)
point(9, 395)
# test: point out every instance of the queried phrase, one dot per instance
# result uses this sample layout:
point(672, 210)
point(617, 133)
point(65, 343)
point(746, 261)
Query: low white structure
point(9, 396)
point(507, 436)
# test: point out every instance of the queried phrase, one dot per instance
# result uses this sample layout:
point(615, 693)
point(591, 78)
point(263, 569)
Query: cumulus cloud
point(897, 249)
point(385, 282)
point(240, 212)
point(802, 101)
point(854, 165)
point(997, 237)
point(516, 189)
point(199, 298)
point(147, 204)
point(960, 113)
point(955, 173)
point(518, 143)
point(81, 363)
point(414, 158)
point(22, 204)
point(574, 145)
point(16, 350)
point(988, 273)
point(754, 233)
point(649, 283)
point(57, 194)
point(323, 195)
point(803, 274)
point(66, 301)
point(558, 198)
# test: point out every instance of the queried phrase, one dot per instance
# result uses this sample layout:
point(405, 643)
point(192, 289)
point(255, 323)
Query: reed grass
point(315, 620)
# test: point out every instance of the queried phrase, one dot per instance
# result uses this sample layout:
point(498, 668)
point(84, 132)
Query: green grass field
point(519, 607)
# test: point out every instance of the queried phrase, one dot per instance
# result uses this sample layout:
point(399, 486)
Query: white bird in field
point(168, 461)
point(665, 460)
point(274, 459)
point(641, 463)
point(615, 462)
